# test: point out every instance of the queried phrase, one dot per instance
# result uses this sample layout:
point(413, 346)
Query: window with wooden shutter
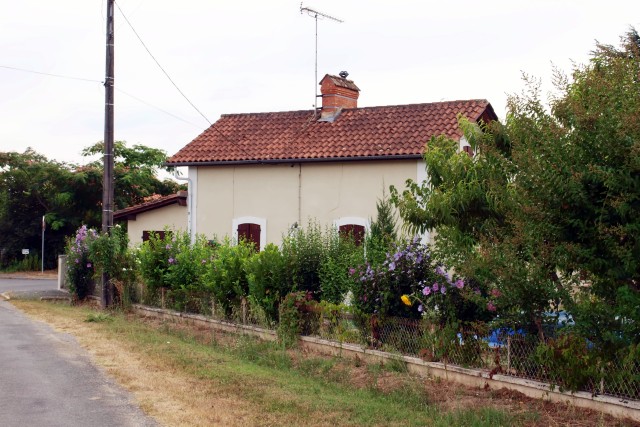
point(354, 231)
point(250, 233)
point(146, 235)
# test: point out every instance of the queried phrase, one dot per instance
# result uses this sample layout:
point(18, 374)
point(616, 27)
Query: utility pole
point(108, 180)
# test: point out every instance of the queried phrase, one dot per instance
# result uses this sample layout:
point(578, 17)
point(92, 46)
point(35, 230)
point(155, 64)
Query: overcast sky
point(256, 56)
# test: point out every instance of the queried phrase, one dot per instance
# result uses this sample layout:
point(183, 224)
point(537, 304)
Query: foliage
point(110, 254)
point(303, 251)
point(67, 195)
point(31, 186)
point(226, 277)
point(135, 172)
point(340, 254)
point(293, 312)
point(80, 270)
point(383, 233)
point(569, 362)
point(174, 264)
point(551, 200)
point(266, 274)
point(410, 270)
point(155, 256)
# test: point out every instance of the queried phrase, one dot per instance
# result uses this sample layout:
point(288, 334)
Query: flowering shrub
point(156, 255)
point(80, 269)
point(410, 283)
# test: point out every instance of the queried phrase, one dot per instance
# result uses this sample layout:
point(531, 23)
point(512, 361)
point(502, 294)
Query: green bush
point(155, 256)
point(268, 281)
point(226, 277)
point(303, 251)
point(110, 254)
point(340, 255)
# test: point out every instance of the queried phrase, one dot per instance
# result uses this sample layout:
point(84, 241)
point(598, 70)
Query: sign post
point(44, 226)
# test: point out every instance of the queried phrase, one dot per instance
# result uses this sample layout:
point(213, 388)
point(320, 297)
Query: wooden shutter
point(356, 231)
point(250, 233)
point(160, 235)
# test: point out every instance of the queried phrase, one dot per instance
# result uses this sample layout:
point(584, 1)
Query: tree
point(135, 171)
point(551, 200)
point(68, 195)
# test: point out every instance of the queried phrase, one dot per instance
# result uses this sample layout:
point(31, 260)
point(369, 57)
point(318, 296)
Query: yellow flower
point(405, 299)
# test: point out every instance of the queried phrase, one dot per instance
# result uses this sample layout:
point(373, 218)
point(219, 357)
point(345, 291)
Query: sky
point(248, 56)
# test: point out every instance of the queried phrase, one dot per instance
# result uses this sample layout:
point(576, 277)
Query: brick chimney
point(337, 93)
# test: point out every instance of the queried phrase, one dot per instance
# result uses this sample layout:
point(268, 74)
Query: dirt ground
point(47, 274)
point(449, 396)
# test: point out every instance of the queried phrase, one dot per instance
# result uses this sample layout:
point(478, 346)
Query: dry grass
point(187, 376)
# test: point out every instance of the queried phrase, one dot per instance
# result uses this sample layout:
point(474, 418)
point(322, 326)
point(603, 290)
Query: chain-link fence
point(570, 364)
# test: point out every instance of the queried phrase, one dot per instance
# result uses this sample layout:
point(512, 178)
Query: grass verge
point(185, 376)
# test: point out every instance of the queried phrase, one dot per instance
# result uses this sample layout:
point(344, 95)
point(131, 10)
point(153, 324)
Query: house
point(257, 176)
point(154, 216)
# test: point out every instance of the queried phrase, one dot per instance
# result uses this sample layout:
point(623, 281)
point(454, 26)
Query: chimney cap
point(343, 74)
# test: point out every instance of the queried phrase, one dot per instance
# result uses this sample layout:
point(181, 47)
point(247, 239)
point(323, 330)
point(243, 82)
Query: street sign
point(25, 252)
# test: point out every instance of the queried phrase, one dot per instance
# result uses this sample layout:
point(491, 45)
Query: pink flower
point(491, 306)
point(172, 261)
point(459, 284)
point(435, 287)
point(88, 265)
point(426, 290)
point(496, 293)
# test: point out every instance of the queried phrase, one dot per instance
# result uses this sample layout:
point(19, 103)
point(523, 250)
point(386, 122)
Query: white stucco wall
point(285, 194)
point(172, 216)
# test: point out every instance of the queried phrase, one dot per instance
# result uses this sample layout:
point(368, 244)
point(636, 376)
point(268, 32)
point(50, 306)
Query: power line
point(50, 74)
point(236, 143)
point(158, 108)
point(24, 70)
point(160, 66)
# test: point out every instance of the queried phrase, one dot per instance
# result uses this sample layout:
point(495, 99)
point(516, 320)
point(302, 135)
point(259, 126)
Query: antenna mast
point(315, 14)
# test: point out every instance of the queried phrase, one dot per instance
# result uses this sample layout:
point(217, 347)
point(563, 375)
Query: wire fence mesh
point(499, 351)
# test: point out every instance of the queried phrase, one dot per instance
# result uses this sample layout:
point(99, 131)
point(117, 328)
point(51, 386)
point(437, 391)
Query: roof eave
point(293, 160)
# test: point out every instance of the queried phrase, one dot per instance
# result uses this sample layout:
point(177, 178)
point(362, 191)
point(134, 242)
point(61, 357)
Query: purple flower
point(168, 246)
point(392, 266)
point(172, 261)
point(459, 284)
point(443, 290)
point(426, 290)
point(351, 271)
point(397, 256)
point(435, 287)
point(77, 261)
point(88, 265)
point(420, 308)
point(204, 261)
point(476, 291)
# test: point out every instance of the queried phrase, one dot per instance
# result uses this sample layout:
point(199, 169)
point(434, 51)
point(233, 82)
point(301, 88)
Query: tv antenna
point(317, 15)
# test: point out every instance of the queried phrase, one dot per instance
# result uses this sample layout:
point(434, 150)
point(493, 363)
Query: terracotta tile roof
point(358, 133)
point(179, 198)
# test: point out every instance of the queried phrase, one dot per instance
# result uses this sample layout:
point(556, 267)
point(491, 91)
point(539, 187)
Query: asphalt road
point(47, 379)
point(27, 285)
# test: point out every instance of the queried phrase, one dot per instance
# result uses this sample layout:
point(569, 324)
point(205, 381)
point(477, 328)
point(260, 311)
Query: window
point(250, 233)
point(251, 229)
point(353, 230)
point(146, 235)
